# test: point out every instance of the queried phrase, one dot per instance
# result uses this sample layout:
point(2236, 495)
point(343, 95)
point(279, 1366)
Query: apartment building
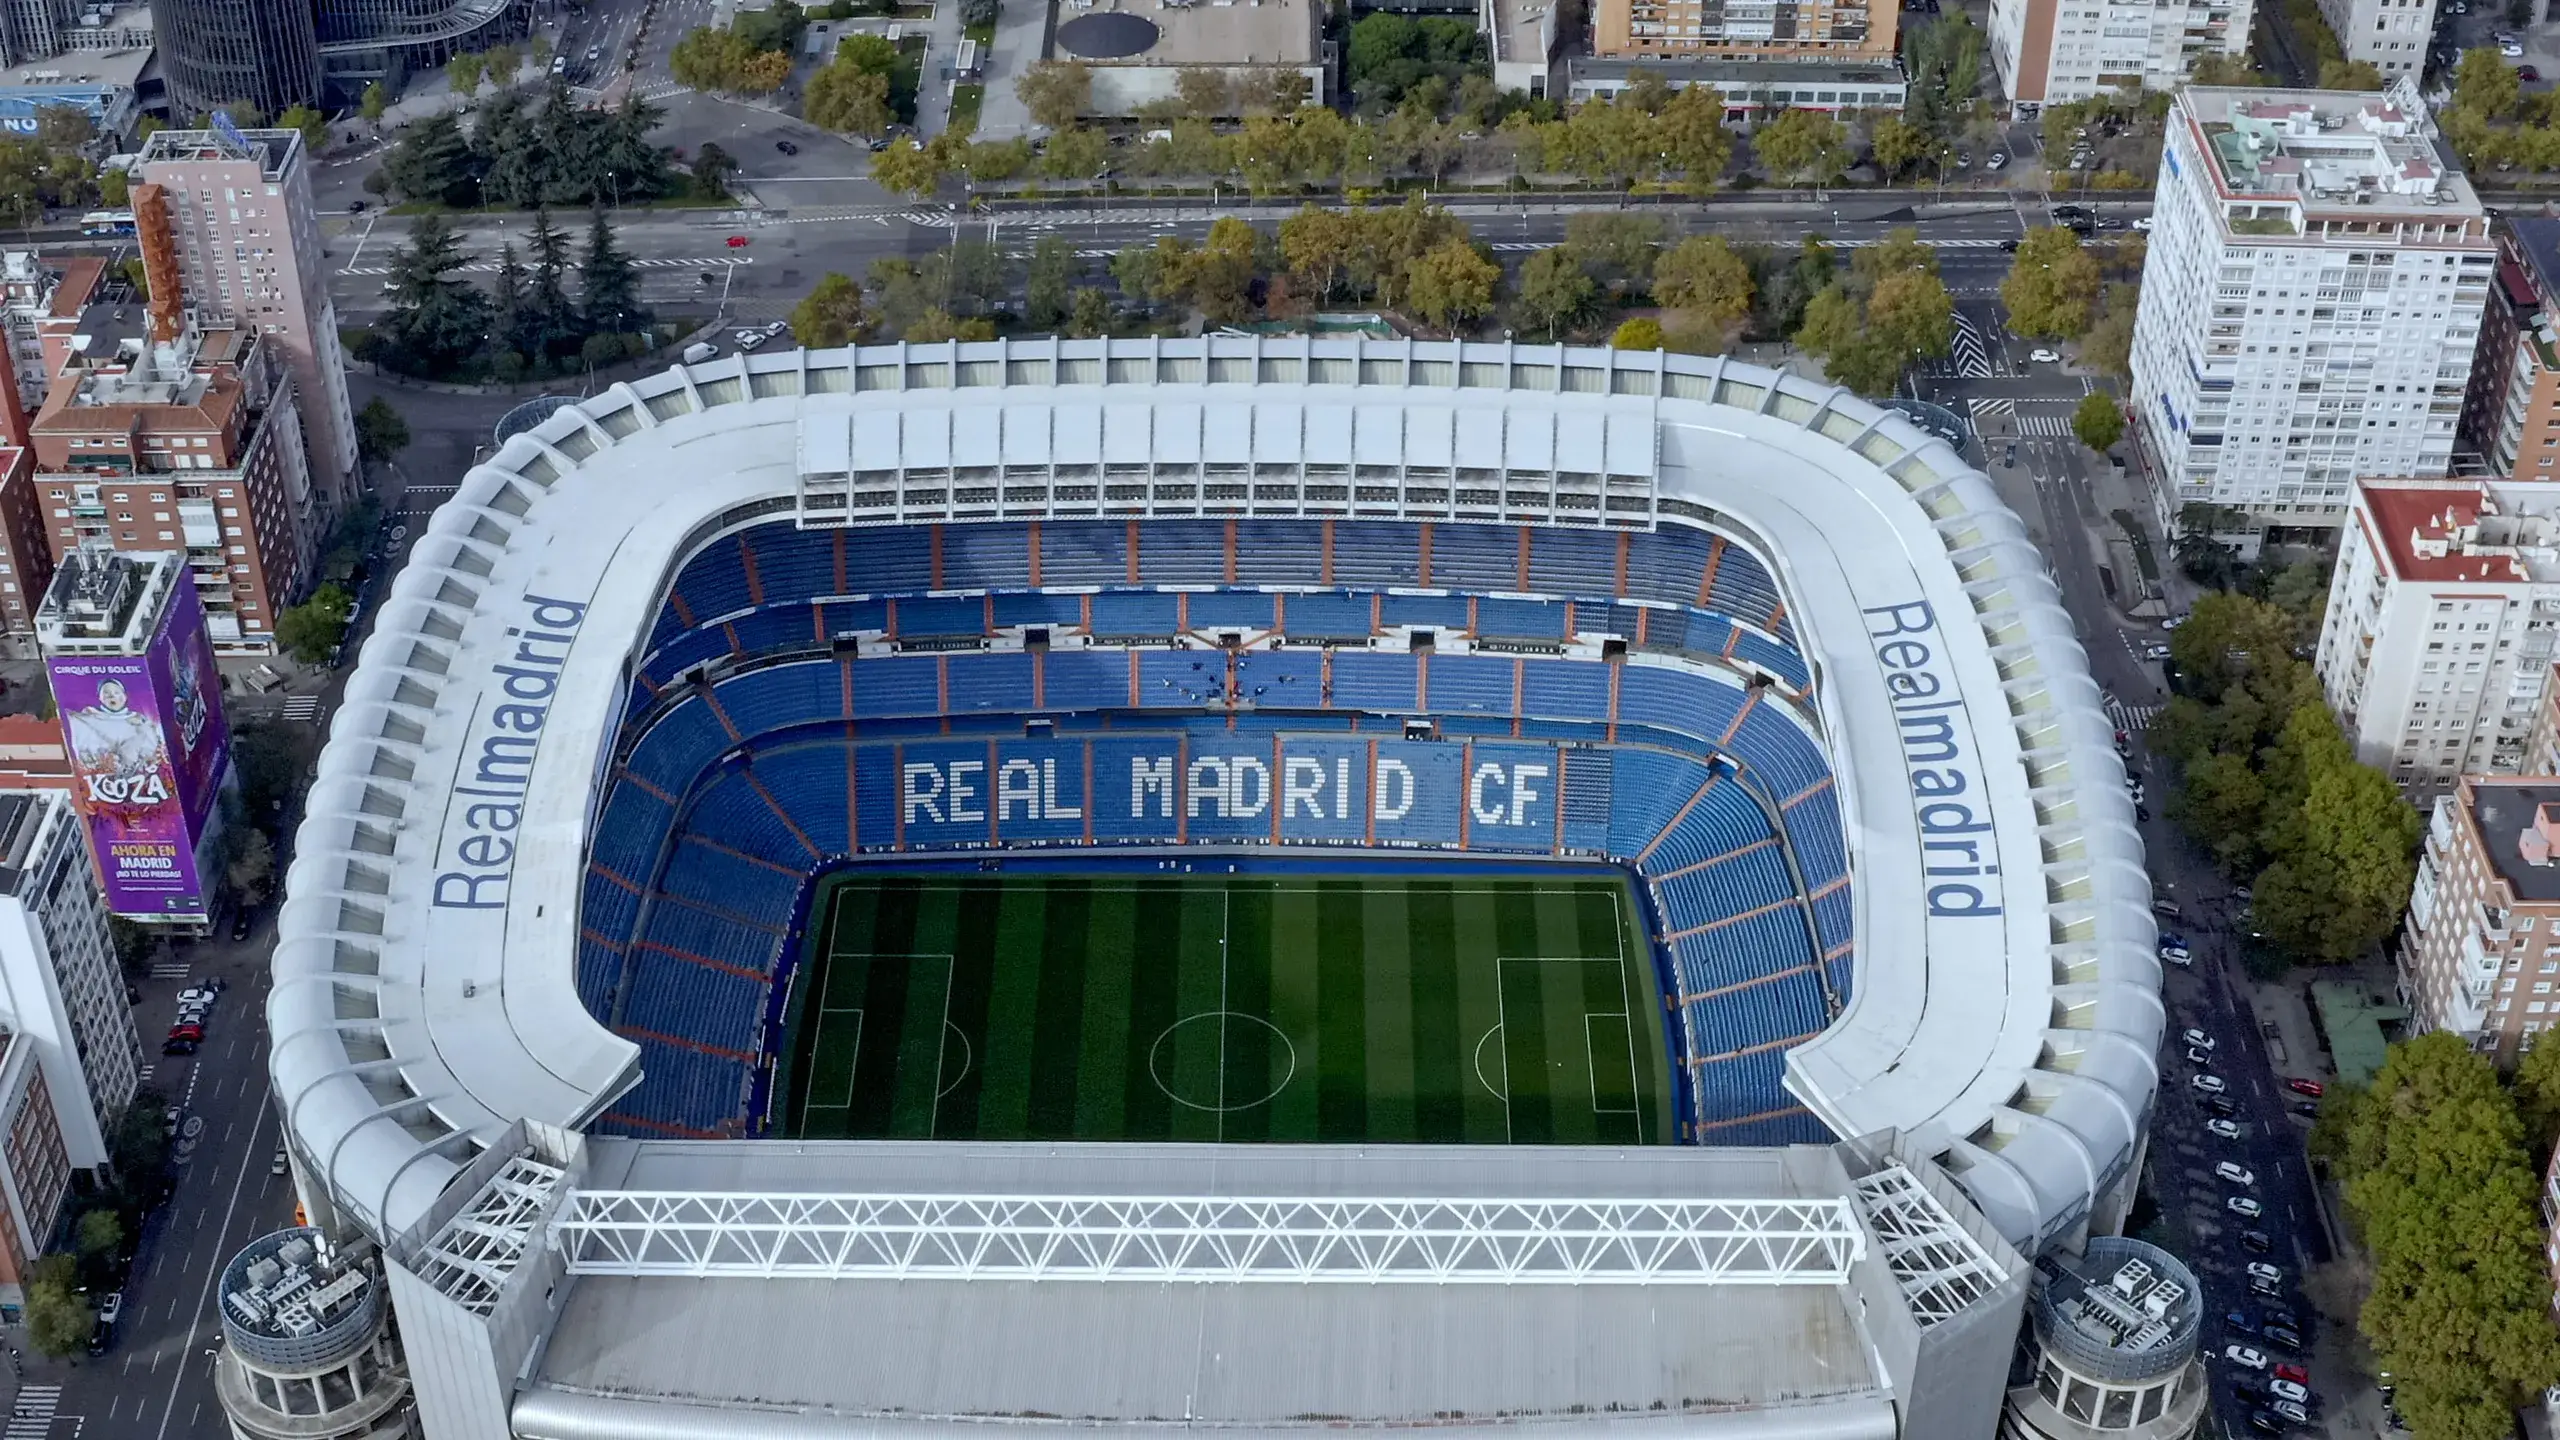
point(1692, 29)
point(188, 441)
point(35, 1169)
point(2051, 52)
point(41, 300)
point(2511, 412)
point(26, 557)
point(2310, 306)
point(2443, 621)
point(228, 214)
point(61, 987)
point(2391, 34)
point(2479, 954)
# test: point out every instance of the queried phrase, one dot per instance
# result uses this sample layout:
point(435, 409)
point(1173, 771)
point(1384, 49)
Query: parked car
point(2312, 1088)
point(2142, 225)
point(2155, 651)
point(2239, 1320)
point(2043, 357)
point(1997, 160)
point(2511, 50)
point(2528, 74)
point(2261, 1270)
point(186, 1031)
point(2256, 1240)
point(2197, 1038)
point(174, 1046)
point(2222, 1129)
point(2237, 1175)
point(786, 147)
point(2284, 1337)
point(2198, 1057)
point(2244, 1357)
point(2305, 1107)
point(2292, 1390)
point(2266, 1422)
point(2244, 1207)
point(2206, 1084)
point(278, 1165)
point(195, 994)
point(2220, 1106)
point(111, 1309)
point(2294, 1373)
point(2287, 1410)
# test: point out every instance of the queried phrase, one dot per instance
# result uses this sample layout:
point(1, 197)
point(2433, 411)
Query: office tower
point(222, 52)
point(2049, 52)
point(230, 214)
point(2311, 303)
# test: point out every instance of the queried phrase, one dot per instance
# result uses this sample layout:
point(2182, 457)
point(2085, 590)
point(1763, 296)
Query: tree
point(608, 286)
point(1555, 291)
point(1079, 152)
point(135, 944)
point(1217, 277)
point(1708, 283)
point(1089, 314)
point(2108, 345)
point(2485, 85)
point(2053, 286)
point(1944, 62)
point(909, 168)
point(1618, 248)
point(1202, 92)
point(375, 101)
point(1912, 315)
point(310, 631)
point(380, 431)
point(313, 125)
point(2434, 1167)
point(1691, 139)
point(2537, 1092)
point(435, 320)
point(433, 161)
point(2217, 69)
point(937, 325)
point(252, 864)
point(2350, 75)
point(830, 315)
point(115, 187)
point(99, 1232)
point(59, 1319)
point(548, 322)
point(1056, 92)
point(1450, 283)
point(1047, 281)
point(1640, 333)
point(466, 72)
point(842, 98)
point(2097, 421)
point(1898, 144)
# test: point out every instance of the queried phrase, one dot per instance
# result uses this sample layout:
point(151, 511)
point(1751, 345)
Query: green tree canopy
point(380, 431)
point(1806, 146)
point(311, 630)
point(2052, 287)
point(2097, 421)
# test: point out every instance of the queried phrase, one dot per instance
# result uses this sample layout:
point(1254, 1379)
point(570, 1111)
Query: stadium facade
point(1773, 652)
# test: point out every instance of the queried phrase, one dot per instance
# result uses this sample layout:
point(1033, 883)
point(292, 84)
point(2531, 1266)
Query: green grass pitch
point(1228, 1007)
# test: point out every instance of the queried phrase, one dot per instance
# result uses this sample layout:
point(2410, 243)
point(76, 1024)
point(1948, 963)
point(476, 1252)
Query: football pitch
point(1225, 1008)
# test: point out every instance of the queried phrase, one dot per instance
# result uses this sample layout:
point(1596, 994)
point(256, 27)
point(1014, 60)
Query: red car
point(2294, 1373)
point(186, 1032)
point(2311, 1088)
point(737, 242)
point(2528, 74)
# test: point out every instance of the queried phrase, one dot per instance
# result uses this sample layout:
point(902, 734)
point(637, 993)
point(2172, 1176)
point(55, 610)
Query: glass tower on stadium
point(363, 41)
point(222, 52)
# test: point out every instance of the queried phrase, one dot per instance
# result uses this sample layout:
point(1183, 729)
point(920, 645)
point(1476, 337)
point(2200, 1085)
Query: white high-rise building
point(2311, 302)
point(2050, 52)
point(2443, 621)
point(60, 986)
point(2392, 34)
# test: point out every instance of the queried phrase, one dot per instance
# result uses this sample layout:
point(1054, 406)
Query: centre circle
point(1221, 1026)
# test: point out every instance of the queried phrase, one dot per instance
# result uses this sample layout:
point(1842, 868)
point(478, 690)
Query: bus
point(107, 222)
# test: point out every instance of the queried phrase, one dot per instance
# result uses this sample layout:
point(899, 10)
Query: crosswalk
point(170, 970)
point(302, 707)
point(490, 267)
point(2133, 719)
point(2003, 412)
point(1972, 358)
point(32, 1419)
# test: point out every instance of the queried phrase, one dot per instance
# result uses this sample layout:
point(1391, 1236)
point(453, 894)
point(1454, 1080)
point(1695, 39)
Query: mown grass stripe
point(1296, 1008)
point(1155, 994)
point(1188, 1062)
point(1256, 1062)
point(963, 1066)
point(1387, 1011)
point(1436, 1052)
point(1057, 1036)
point(1102, 1069)
point(1004, 1047)
point(1342, 1063)
point(1475, 925)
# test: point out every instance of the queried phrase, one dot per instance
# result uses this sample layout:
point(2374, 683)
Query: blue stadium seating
point(716, 878)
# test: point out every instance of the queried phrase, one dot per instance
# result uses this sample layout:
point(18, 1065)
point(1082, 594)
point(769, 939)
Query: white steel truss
point(471, 1255)
point(1941, 1269)
point(1197, 1240)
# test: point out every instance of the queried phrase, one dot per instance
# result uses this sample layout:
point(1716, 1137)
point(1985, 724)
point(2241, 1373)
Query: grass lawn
point(965, 100)
point(1232, 1008)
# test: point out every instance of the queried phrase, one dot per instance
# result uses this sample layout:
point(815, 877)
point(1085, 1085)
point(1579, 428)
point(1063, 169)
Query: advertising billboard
point(148, 753)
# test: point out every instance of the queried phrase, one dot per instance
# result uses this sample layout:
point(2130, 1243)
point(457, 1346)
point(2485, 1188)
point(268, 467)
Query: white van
point(699, 351)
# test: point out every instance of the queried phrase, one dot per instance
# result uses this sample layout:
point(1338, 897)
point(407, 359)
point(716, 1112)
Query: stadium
point(1242, 882)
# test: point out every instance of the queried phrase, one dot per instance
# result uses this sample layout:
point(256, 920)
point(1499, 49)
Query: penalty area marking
point(1624, 1016)
point(829, 1012)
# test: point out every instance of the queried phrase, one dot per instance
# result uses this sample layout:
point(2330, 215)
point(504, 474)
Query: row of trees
point(2269, 784)
point(106, 1217)
point(496, 66)
point(2491, 121)
point(520, 153)
point(526, 325)
point(867, 87)
point(2440, 1169)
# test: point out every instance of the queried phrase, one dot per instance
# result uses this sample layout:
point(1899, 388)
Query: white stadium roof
point(2011, 1036)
